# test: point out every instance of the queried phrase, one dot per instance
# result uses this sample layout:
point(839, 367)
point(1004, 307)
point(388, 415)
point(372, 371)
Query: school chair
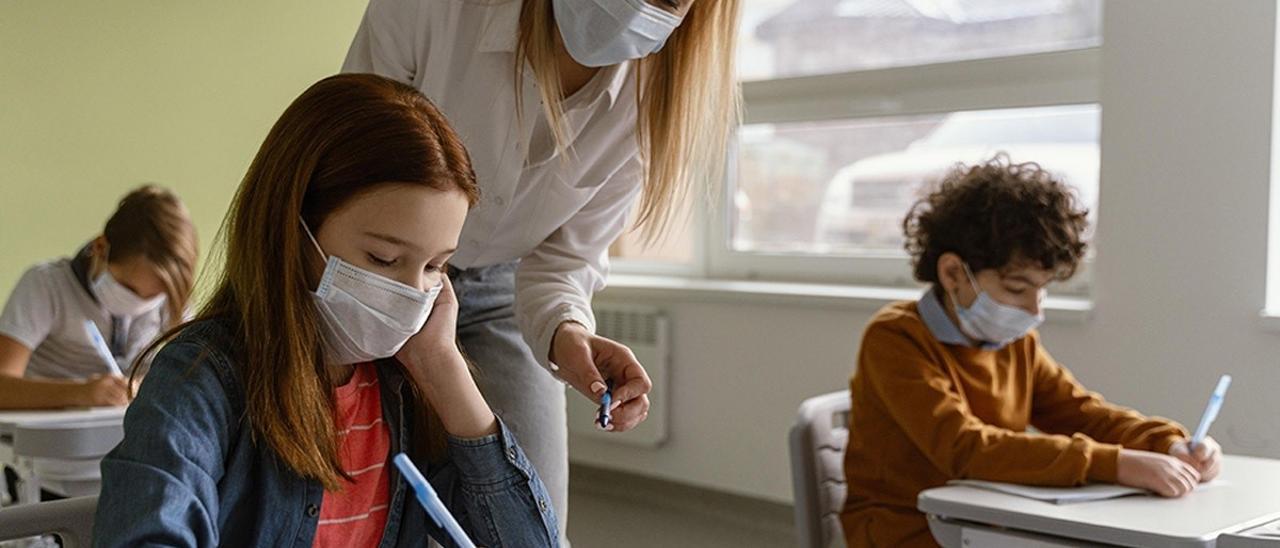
point(817, 475)
point(71, 520)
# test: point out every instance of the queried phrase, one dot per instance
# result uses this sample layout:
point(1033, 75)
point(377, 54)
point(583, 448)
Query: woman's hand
point(1163, 474)
point(436, 366)
point(1206, 458)
point(586, 359)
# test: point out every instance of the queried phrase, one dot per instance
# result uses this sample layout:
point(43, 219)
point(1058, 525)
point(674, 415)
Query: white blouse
point(557, 215)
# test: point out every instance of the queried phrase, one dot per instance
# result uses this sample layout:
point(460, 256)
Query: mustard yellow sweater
point(925, 412)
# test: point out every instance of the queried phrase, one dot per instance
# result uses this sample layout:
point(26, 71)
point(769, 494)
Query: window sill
point(857, 297)
point(1270, 320)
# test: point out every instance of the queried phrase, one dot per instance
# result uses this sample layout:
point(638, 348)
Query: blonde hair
point(152, 223)
point(688, 102)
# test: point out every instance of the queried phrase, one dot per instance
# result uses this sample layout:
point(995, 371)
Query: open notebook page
point(1056, 495)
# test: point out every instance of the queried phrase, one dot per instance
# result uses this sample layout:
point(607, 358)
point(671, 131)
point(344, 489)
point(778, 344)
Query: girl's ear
point(98, 249)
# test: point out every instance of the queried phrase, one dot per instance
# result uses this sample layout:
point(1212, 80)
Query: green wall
point(99, 97)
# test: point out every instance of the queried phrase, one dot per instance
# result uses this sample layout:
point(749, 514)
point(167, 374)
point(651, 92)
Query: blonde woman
point(571, 110)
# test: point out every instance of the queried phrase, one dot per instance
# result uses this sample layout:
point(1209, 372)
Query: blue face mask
point(600, 33)
point(993, 322)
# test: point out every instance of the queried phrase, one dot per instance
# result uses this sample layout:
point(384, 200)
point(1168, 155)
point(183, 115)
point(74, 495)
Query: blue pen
point(100, 345)
point(606, 401)
point(1211, 411)
point(431, 502)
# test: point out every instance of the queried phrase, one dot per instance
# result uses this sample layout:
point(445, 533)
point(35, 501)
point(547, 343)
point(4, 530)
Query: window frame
point(1058, 78)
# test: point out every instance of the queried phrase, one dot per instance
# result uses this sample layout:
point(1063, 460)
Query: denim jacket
point(189, 473)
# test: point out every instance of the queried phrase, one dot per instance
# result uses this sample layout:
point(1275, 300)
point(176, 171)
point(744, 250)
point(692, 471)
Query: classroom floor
point(619, 510)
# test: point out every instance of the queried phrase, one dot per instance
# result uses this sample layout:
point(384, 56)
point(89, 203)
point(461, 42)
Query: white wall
point(1187, 100)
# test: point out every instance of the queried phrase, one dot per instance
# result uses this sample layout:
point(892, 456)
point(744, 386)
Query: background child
point(133, 281)
point(946, 387)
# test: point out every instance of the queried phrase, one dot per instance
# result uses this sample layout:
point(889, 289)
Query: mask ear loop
point(307, 229)
point(973, 280)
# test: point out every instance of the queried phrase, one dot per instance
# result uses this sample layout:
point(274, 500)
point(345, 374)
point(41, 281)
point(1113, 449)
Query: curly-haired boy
point(947, 387)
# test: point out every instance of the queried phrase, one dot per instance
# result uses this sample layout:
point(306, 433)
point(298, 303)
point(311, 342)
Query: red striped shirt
point(357, 514)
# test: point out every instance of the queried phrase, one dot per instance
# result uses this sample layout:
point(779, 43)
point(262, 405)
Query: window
point(786, 38)
point(842, 187)
point(855, 107)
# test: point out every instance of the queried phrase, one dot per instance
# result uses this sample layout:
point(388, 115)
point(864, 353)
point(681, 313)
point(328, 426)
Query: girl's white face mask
point(365, 316)
point(994, 322)
point(600, 33)
point(119, 300)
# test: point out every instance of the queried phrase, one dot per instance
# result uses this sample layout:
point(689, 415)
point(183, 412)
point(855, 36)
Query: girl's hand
point(436, 366)
point(584, 357)
point(104, 390)
point(436, 344)
point(1206, 458)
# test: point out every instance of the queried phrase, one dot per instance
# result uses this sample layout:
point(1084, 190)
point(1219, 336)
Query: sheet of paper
point(1056, 495)
point(1270, 530)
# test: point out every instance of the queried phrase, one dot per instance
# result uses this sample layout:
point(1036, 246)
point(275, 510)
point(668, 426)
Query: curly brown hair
point(995, 214)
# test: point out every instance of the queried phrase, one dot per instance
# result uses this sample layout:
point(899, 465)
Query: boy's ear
point(950, 272)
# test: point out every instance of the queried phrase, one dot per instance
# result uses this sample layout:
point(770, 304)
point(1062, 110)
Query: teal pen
point(603, 417)
point(100, 345)
point(1211, 411)
point(430, 501)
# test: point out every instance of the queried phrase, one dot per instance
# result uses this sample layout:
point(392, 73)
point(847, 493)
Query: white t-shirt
point(46, 313)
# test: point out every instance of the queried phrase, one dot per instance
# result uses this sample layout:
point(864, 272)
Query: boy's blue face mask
point(993, 322)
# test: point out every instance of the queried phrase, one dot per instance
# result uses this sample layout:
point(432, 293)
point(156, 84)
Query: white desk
point(1246, 495)
point(58, 449)
point(10, 419)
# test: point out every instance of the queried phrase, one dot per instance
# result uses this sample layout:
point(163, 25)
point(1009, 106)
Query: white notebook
point(1056, 495)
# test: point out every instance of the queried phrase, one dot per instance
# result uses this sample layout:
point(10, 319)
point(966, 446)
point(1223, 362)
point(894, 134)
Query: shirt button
point(511, 453)
point(500, 201)
point(542, 504)
point(313, 510)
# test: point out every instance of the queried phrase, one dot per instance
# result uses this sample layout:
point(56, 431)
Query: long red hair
point(344, 136)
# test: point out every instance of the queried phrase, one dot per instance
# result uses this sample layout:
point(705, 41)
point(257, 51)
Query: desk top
point(10, 419)
point(1246, 494)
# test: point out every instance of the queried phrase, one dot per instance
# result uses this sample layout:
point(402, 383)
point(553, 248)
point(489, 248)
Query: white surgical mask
point(600, 33)
point(993, 322)
point(119, 300)
point(365, 316)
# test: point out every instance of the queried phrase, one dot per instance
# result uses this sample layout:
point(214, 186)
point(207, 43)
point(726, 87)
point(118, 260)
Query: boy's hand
point(1163, 474)
point(1206, 458)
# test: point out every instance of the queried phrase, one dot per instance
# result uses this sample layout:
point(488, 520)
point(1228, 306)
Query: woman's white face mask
point(365, 316)
point(600, 33)
point(119, 300)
